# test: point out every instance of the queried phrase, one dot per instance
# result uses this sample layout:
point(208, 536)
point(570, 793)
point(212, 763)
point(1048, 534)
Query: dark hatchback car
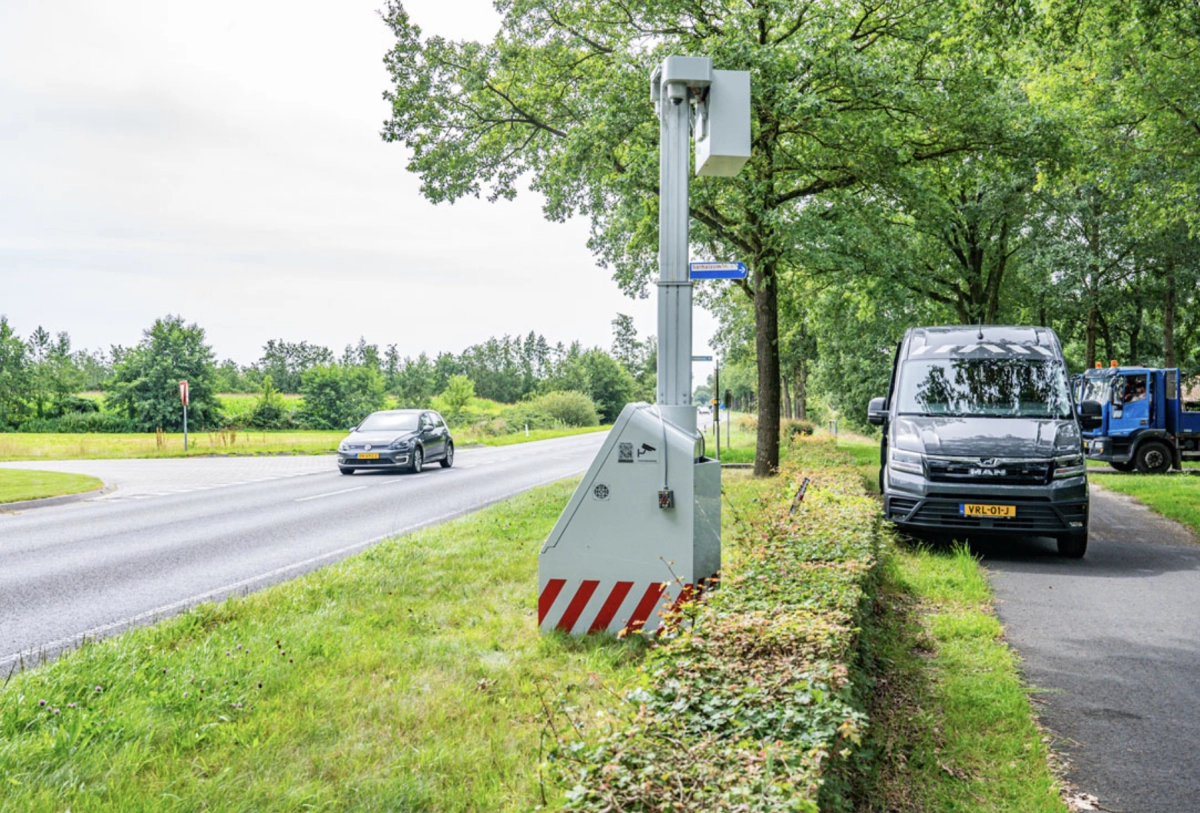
point(397, 439)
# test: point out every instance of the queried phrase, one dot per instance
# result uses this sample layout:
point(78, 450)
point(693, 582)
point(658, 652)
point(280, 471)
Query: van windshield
point(984, 387)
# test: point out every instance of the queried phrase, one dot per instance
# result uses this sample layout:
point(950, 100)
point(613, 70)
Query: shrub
point(80, 422)
point(790, 429)
point(73, 404)
point(747, 423)
point(568, 408)
point(270, 411)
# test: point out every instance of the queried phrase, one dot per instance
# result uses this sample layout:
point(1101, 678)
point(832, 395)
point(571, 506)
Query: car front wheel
point(418, 460)
point(448, 460)
point(345, 470)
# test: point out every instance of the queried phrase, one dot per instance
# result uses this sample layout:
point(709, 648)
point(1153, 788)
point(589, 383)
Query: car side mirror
point(352, 429)
point(877, 411)
point(1091, 414)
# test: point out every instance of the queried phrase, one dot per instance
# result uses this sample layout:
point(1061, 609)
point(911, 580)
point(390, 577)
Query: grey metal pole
point(674, 285)
point(185, 427)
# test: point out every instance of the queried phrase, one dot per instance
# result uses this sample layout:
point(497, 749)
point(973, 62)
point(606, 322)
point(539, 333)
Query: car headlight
point(1071, 465)
point(911, 462)
point(399, 445)
point(343, 447)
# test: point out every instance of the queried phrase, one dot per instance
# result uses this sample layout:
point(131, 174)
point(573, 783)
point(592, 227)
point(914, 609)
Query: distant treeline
point(41, 377)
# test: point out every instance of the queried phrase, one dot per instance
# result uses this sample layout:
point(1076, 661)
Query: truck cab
point(1144, 423)
point(980, 437)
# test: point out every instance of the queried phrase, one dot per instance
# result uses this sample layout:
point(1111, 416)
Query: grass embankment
point(17, 485)
point(1175, 495)
point(410, 677)
point(952, 723)
point(953, 729)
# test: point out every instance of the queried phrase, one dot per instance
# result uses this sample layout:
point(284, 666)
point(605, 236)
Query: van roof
point(981, 340)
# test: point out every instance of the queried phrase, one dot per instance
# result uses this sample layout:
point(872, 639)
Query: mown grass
point(1174, 495)
point(952, 723)
point(17, 485)
point(410, 677)
point(68, 446)
point(521, 437)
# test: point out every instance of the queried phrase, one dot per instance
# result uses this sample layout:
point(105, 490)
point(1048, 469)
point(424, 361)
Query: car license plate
point(969, 509)
point(368, 455)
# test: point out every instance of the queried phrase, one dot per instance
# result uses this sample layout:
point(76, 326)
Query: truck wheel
point(1153, 457)
point(1127, 465)
point(1073, 546)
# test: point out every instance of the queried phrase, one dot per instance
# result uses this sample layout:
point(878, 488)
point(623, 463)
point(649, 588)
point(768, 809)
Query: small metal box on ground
point(616, 555)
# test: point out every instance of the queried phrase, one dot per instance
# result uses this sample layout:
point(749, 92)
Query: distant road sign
point(701, 358)
point(718, 270)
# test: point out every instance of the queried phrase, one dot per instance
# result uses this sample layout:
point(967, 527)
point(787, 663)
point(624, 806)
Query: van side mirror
point(877, 411)
point(1091, 414)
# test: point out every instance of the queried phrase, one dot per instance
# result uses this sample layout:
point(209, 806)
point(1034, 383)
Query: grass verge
point(1175, 495)
point(953, 728)
point(15, 446)
point(17, 485)
point(410, 677)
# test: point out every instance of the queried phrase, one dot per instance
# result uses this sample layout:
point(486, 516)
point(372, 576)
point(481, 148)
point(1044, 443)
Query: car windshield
point(984, 387)
point(389, 421)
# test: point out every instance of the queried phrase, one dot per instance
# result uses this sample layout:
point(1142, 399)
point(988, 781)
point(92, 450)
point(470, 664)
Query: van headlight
point(911, 462)
point(1069, 466)
point(343, 447)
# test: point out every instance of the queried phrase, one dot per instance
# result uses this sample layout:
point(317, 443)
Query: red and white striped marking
point(579, 606)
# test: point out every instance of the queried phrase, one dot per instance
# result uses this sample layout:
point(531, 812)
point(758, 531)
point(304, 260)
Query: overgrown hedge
point(751, 707)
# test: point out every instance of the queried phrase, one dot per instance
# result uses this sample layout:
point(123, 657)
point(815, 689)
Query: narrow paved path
point(1112, 641)
point(179, 532)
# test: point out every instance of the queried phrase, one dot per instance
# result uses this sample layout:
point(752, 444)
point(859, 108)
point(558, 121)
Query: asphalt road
point(1111, 642)
point(175, 533)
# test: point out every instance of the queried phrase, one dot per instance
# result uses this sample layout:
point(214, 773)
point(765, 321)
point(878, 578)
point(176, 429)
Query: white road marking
point(330, 494)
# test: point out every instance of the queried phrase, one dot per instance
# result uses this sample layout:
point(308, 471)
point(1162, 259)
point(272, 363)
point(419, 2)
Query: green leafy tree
point(53, 376)
point(457, 395)
point(14, 376)
point(843, 93)
point(145, 386)
point(338, 396)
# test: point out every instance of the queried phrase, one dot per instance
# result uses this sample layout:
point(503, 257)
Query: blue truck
point(1145, 424)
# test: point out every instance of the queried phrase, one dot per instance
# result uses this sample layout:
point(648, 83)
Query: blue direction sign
point(710, 270)
point(701, 358)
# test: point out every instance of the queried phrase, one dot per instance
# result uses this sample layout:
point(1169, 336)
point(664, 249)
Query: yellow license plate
point(968, 509)
point(368, 455)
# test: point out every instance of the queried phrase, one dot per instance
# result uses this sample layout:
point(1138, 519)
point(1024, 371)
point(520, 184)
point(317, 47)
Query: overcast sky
point(222, 160)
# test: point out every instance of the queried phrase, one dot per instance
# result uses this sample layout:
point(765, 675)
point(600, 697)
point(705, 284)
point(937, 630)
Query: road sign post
point(183, 399)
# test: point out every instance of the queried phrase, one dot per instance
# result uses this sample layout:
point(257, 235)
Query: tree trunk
point(1169, 318)
point(787, 398)
point(766, 340)
point(802, 390)
point(1093, 314)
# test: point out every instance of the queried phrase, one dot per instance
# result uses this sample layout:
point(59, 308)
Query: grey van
point(980, 437)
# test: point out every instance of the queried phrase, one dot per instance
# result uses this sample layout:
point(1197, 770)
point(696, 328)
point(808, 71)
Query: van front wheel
point(1073, 546)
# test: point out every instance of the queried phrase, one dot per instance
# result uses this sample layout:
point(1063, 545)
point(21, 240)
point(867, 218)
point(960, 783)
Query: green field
point(17, 485)
point(64, 446)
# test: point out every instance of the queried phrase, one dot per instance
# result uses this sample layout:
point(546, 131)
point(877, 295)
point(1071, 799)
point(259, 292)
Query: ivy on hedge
point(750, 705)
